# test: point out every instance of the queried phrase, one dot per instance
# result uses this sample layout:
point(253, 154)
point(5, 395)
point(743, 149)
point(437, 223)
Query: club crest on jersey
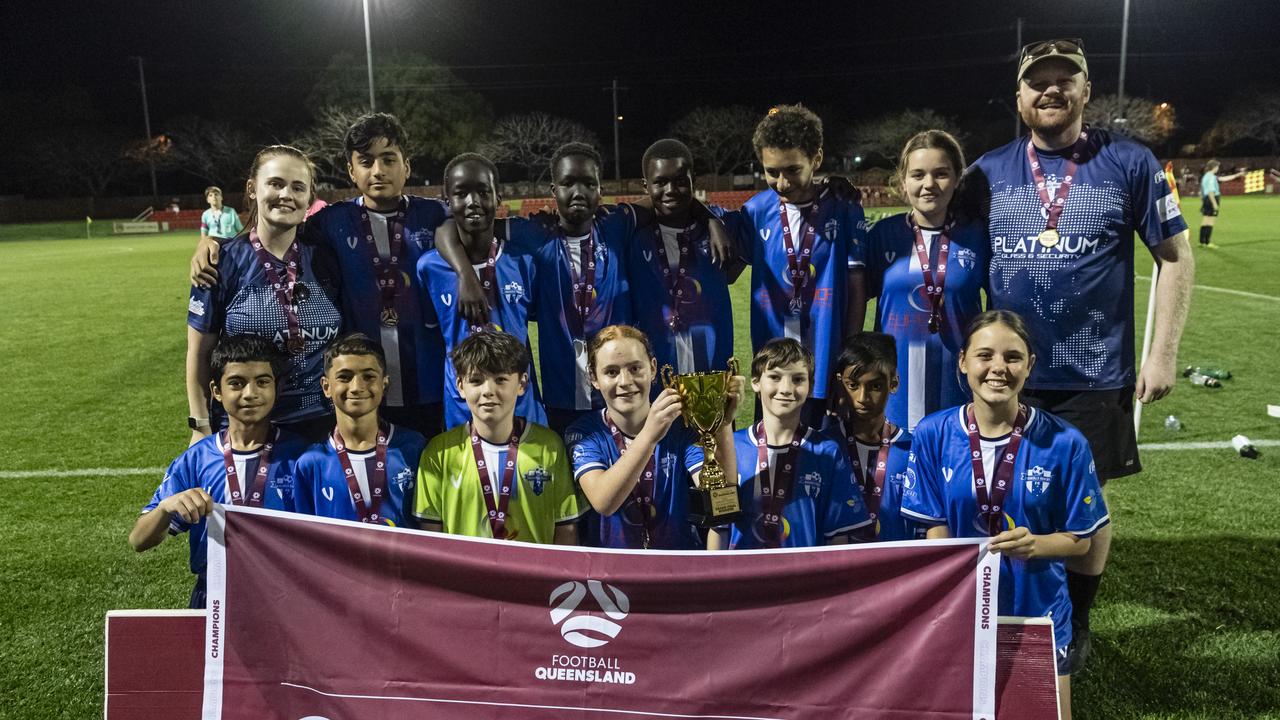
point(909, 479)
point(831, 229)
point(404, 480)
point(668, 464)
point(811, 484)
point(512, 291)
point(1037, 480)
point(537, 479)
point(966, 257)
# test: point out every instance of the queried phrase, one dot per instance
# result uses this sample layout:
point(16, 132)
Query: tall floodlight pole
point(617, 161)
point(1124, 54)
point(368, 53)
point(1017, 124)
point(146, 119)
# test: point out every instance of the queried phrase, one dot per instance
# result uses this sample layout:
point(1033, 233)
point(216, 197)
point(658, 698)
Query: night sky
point(255, 62)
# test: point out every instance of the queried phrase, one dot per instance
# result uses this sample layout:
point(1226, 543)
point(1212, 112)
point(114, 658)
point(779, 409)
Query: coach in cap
point(1062, 208)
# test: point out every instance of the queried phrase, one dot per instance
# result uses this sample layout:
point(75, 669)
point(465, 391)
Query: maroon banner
point(314, 618)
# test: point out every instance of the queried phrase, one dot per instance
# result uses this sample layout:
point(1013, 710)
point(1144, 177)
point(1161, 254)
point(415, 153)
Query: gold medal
point(1049, 238)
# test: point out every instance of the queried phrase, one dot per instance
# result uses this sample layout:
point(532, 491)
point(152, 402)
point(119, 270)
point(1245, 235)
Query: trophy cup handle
point(668, 377)
point(733, 366)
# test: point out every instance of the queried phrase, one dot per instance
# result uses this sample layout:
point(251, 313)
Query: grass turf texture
point(92, 360)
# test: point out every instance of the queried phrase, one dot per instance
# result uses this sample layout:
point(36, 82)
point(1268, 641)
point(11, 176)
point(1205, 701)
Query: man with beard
point(1061, 208)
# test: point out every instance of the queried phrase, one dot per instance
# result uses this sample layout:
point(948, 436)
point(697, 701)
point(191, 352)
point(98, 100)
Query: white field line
point(57, 473)
point(1228, 291)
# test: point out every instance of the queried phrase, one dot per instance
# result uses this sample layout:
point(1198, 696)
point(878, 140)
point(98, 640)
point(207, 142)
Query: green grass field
point(91, 363)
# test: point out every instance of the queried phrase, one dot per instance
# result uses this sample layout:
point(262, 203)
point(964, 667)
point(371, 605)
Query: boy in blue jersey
point(794, 484)
point(365, 471)
point(679, 289)
point(581, 259)
point(805, 246)
point(378, 238)
point(505, 270)
point(249, 463)
point(867, 375)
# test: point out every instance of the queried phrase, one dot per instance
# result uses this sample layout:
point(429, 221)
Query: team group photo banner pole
point(322, 619)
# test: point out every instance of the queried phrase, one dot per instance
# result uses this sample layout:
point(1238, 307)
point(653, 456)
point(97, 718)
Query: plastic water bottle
point(1198, 379)
point(1172, 423)
point(1243, 446)
point(1209, 371)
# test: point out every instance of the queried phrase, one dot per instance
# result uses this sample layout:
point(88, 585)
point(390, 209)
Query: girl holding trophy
point(635, 464)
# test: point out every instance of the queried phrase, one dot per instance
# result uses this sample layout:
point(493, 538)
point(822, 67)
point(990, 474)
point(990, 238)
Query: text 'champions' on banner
point(316, 618)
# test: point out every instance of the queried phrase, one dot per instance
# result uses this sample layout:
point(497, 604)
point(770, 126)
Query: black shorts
point(1207, 208)
point(1106, 419)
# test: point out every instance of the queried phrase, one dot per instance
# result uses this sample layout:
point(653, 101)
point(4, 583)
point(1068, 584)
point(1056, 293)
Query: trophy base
point(713, 507)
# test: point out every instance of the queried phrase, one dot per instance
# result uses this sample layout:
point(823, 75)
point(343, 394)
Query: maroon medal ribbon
point(236, 496)
point(991, 502)
point(284, 288)
point(798, 258)
point(935, 277)
point(497, 498)
point(367, 509)
point(642, 493)
point(776, 490)
point(872, 480)
point(489, 281)
point(388, 272)
point(1054, 207)
point(677, 282)
point(584, 283)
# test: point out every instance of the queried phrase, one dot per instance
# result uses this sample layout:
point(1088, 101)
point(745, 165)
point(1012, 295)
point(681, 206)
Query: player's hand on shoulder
point(472, 302)
point(720, 245)
point(190, 505)
point(737, 386)
point(842, 188)
point(204, 263)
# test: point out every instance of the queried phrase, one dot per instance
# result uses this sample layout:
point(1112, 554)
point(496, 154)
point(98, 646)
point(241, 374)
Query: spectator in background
point(219, 222)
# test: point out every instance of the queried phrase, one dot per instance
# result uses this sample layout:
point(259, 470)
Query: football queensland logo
point(582, 629)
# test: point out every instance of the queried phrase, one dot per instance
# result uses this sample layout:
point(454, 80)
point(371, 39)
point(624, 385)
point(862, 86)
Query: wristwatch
point(196, 423)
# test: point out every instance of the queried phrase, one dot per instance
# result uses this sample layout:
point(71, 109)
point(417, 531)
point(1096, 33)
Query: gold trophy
point(704, 399)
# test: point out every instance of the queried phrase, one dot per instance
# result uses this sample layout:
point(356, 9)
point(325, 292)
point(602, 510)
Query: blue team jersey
point(203, 466)
point(1078, 295)
point(824, 502)
point(1054, 489)
point(561, 343)
point(928, 379)
point(591, 447)
point(703, 340)
point(890, 524)
point(414, 349)
point(438, 286)
point(244, 303)
point(838, 247)
point(321, 484)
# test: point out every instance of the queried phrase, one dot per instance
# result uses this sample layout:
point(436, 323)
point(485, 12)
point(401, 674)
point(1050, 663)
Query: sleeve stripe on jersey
point(428, 515)
point(577, 475)
point(925, 518)
point(1105, 519)
point(848, 528)
point(697, 467)
point(574, 518)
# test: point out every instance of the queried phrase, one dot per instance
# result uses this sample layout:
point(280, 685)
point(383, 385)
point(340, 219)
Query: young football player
point(927, 268)
point(996, 467)
point(866, 378)
point(218, 222)
point(249, 463)
point(498, 475)
point(378, 238)
point(633, 461)
point(365, 470)
point(504, 270)
point(275, 284)
point(794, 484)
point(805, 246)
